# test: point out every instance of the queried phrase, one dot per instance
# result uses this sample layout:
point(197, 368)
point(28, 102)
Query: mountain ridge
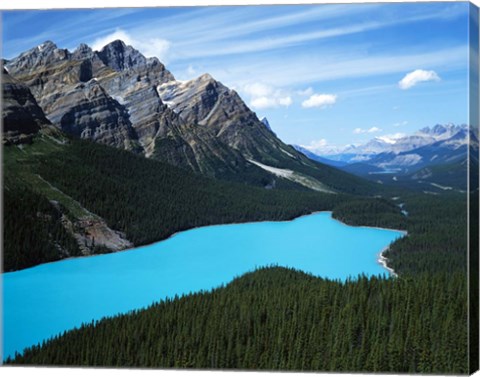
point(118, 97)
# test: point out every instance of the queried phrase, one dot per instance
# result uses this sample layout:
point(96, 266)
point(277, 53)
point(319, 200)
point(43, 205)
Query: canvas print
point(288, 188)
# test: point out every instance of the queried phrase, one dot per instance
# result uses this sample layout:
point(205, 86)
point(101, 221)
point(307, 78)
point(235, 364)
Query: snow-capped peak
point(441, 132)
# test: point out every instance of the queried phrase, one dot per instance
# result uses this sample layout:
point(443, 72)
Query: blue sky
point(324, 75)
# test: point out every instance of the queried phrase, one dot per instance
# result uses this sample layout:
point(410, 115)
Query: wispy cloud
point(305, 92)
point(306, 69)
point(241, 32)
point(370, 130)
point(239, 22)
point(69, 28)
point(268, 43)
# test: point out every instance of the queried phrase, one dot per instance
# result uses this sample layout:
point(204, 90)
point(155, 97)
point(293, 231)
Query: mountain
point(120, 98)
point(433, 157)
point(441, 163)
point(22, 117)
point(64, 197)
point(265, 121)
point(67, 197)
point(381, 145)
point(315, 157)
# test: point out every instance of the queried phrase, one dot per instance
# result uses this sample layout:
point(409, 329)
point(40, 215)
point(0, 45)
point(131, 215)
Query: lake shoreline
point(381, 259)
point(196, 261)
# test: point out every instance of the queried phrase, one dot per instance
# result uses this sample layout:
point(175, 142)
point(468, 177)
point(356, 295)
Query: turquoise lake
point(46, 300)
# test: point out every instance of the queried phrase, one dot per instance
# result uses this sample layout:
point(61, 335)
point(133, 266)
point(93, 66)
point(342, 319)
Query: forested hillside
point(104, 150)
point(283, 319)
point(279, 319)
point(147, 200)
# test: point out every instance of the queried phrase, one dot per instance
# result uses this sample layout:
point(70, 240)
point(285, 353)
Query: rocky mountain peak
point(264, 120)
point(206, 77)
point(118, 97)
point(44, 54)
point(120, 57)
point(47, 46)
point(441, 131)
point(83, 51)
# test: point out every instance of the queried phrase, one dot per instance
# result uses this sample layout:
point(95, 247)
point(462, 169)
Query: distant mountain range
point(378, 145)
point(427, 155)
point(318, 158)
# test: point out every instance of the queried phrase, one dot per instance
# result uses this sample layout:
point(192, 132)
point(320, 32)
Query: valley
point(429, 160)
point(196, 260)
point(106, 152)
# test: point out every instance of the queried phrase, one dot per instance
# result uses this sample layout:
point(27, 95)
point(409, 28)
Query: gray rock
point(87, 111)
point(22, 117)
point(222, 115)
point(119, 97)
point(120, 57)
point(38, 57)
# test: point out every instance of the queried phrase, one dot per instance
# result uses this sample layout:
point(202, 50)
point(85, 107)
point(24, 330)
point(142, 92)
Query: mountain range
point(118, 97)
point(435, 155)
point(106, 150)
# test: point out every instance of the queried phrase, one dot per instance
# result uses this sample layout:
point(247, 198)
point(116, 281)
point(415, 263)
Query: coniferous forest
point(273, 318)
point(146, 199)
point(279, 319)
point(233, 118)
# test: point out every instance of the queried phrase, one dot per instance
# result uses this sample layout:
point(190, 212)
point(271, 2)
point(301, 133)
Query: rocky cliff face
point(222, 113)
point(39, 57)
point(119, 97)
point(87, 111)
point(110, 96)
point(22, 117)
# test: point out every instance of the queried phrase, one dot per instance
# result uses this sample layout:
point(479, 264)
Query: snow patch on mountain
point(296, 177)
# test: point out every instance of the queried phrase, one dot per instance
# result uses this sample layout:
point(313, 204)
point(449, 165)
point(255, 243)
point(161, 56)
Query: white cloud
point(419, 75)
point(321, 147)
point(364, 131)
point(270, 102)
point(149, 47)
point(319, 100)
point(118, 34)
point(399, 124)
point(391, 138)
point(263, 96)
point(285, 101)
point(258, 90)
point(263, 102)
point(317, 144)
